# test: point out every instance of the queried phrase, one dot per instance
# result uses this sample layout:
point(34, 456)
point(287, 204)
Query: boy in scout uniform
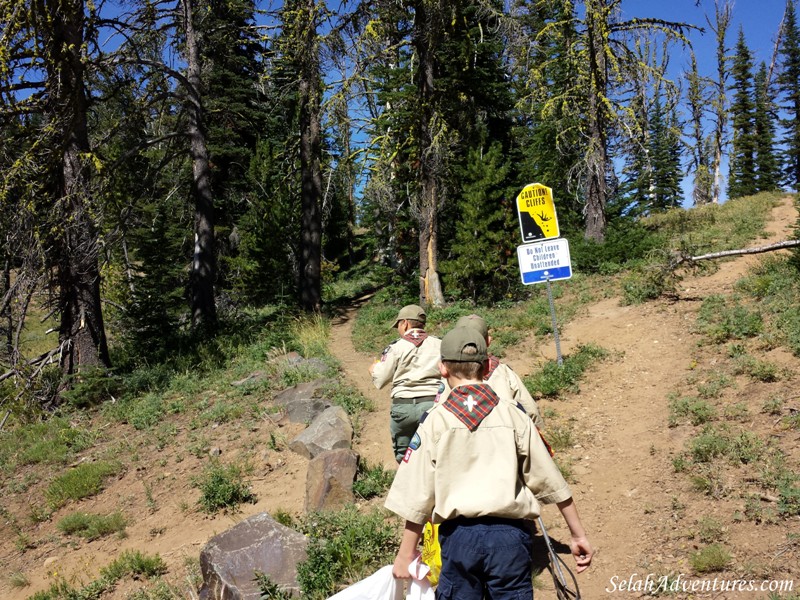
point(476, 466)
point(411, 364)
point(502, 378)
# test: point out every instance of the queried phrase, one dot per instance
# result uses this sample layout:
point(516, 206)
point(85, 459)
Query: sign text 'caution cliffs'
point(537, 213)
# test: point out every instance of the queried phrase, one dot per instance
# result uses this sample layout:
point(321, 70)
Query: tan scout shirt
point(413, 370)
point(508, 386)
point(501, 469)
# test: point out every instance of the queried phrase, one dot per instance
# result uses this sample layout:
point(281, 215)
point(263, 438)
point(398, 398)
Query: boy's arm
point(408, 550)
point(383, 369)
point(579, 544)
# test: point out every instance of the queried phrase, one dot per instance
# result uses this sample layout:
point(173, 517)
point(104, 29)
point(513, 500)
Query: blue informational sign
point(543, 261)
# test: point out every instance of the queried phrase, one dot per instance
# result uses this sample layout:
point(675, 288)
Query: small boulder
point(331, 430)
point(229, 561)
point(329, 480)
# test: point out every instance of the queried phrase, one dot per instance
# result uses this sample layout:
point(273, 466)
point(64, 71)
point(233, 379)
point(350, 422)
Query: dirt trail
point(626, 490)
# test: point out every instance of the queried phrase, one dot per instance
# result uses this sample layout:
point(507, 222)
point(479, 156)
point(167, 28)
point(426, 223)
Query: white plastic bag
point(381, 585)
point(420, 588)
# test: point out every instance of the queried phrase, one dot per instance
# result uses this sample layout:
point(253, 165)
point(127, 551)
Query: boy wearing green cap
point(502, 378)
point(478, 468)
point(411, 364)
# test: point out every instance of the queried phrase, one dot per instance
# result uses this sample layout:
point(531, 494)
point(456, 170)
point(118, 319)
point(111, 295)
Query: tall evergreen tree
point(43, 45)
point(789, 85)
point(742, 178)
point(665, 156)
point(767, 169)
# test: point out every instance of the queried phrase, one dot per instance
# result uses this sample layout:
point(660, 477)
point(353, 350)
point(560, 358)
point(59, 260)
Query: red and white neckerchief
point(494, 362)
point(416, 336)
point(471, 403)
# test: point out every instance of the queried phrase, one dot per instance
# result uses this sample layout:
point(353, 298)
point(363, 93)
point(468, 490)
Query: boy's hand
point(582, 551)
point(400, 568)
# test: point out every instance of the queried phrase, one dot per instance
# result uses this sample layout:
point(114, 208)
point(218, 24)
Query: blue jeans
point(486, 557)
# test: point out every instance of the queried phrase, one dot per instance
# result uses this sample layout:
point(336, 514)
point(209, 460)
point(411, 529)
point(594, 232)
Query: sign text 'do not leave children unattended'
point(544, 261)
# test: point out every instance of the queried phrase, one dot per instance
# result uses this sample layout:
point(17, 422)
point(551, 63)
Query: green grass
point(723, 319)
point(85, 480)
point(743, 447)
point(92, 526)
point(697, 411)
point(372, 481)
point(775, 284)
point(553, 379)
point(223, 487)
point(130, 563)
point(55, 441)
point(711, 559)
point(344, 547)
point(348, 397)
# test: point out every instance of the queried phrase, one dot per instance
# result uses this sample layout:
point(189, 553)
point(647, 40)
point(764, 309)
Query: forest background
point(168, 165)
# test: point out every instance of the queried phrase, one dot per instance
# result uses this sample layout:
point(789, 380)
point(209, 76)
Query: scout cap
point(474, 322)
point(459, 338)
point(410, 311)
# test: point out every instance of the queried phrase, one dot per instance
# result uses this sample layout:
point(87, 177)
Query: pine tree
point(742, 178)
point(665, 156)
point(480, 267)
point(767, 169)
point(789, 85)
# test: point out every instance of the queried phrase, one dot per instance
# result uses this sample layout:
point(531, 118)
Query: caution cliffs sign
point(537, 213)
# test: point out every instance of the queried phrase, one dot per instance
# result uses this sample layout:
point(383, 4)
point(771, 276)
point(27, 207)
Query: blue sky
point(759, 19)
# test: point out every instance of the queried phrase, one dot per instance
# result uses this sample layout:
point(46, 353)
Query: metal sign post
point(547, 260)
point(555, 324)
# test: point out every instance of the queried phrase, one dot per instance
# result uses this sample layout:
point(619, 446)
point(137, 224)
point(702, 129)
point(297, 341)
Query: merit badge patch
point(416, 442)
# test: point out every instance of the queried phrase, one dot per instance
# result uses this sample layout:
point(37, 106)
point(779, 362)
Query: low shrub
point(91, 526)
point(222, 487)
point(84, 480)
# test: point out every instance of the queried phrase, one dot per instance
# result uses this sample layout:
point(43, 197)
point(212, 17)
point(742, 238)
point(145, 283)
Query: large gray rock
point(331, 430)
point(229, 560)
point(301, 403)
point(329, 480)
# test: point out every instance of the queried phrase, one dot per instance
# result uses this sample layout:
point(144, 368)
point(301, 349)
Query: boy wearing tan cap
point(478, 468)
point(411, 364)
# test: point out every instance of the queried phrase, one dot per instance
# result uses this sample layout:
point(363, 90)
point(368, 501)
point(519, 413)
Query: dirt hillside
point(641, 515)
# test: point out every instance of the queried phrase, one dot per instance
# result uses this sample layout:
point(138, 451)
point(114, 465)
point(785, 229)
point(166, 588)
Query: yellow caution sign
point(537, 213)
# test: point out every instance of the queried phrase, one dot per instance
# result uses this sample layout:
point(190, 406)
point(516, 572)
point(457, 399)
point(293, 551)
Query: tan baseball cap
point(410, 311)
point(475, 322)
point(458, 339)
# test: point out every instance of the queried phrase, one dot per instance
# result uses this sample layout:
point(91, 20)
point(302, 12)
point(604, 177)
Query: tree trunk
point(81, 331)
point(204, 267)
point(425, 40)
point(597, 154)
point(311, 175)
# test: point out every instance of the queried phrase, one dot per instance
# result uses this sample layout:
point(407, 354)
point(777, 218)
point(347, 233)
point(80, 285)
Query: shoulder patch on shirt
point(386, 351)
point(415, 442)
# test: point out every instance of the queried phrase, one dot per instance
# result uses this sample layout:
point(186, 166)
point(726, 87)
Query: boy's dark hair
point(414, 324)
point(465, 370)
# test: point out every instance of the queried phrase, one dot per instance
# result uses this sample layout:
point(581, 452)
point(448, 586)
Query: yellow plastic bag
point(431, 551)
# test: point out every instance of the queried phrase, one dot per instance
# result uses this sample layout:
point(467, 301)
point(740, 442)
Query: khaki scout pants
point(404, 419)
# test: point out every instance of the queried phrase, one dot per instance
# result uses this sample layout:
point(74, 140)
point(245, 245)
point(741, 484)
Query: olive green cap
point(460, 338)
point(474, 322)
point(410, 311)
